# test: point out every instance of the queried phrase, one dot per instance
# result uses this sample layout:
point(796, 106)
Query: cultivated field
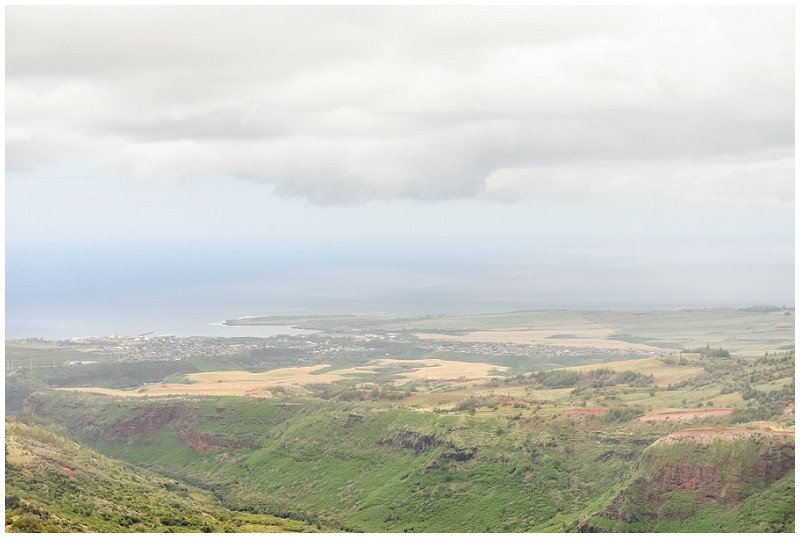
point(262, 384)
point(683, 416)
point(22, 354)
point(662, 373)
point(432, 369)
point(589, 335)
point(525, 421)
point(739, 331)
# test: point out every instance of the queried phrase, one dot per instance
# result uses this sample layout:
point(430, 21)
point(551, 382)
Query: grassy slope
point(20, 353)
point(367, 472)
point(738, 331)
point(319, 464)
point(749, 333)
point(54, 485)
point(733, 470)
point(364, 463)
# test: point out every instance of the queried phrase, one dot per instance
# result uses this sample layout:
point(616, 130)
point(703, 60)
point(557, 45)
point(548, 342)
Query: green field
point(53, 485)
point(365, 427)
point(32, 354)
point(740, 331)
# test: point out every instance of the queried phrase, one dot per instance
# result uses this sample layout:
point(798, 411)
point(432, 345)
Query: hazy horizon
point(206, 162)
point(179, 288)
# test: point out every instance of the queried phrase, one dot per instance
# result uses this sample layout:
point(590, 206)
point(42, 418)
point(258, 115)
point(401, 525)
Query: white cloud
point(765, 177)
point(344, 105)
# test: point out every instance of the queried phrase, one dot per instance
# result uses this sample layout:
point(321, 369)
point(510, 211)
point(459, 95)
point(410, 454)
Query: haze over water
point(171, 167)
point(188, 289)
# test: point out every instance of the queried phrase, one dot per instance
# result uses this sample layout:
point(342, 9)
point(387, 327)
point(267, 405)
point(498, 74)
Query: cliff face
point(200, 443)
point(723, 462)
point(139, 422)
point(154, 418)
point(151, 420)
point(679, 473)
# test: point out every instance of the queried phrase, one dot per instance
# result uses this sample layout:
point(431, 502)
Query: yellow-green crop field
point(662, 373)
point(258, 384)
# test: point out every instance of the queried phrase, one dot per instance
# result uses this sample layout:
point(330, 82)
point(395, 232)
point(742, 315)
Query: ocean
point(57, 291)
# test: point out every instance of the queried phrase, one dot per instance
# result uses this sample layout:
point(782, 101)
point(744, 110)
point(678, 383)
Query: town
point(167, 347)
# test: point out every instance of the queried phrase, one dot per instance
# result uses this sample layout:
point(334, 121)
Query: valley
point(526, 421)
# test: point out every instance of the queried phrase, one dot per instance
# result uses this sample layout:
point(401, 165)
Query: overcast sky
point(599, 126)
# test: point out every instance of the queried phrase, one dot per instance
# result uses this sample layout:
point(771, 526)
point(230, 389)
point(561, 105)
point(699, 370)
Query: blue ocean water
point(58, 291)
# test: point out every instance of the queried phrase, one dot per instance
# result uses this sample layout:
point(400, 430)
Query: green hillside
point(54, 485)
point(527, 421)
point(706, 480)
point(376, 467)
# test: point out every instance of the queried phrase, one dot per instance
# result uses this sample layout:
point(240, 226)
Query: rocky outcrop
point(204, 444)
point(352, 419)
point(459, 453)
point(418, 441)
point(453, 453)
point(148, 420)
point(155, 418)
point(711, 465)
point(151, 420)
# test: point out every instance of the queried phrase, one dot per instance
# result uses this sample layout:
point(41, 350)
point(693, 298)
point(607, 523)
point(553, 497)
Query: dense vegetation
point(742, 483)
point(533, 448)
point(53, 485)
point(27, 375)
point(371, 466)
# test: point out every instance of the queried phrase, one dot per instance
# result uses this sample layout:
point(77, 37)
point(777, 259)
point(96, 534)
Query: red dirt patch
point(764, 424)
point(726, 432)
point(66, 470)
point(584, 412)
point(687, 415)
point(455, 379)
point(259, 392)
point(149, 421)
point(788, 411)
point(70, 473)
point(204, 444)
point(505, 400)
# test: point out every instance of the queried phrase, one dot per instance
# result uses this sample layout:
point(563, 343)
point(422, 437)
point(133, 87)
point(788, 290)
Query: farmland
point(741, 331)
point(242, 383)
point(528, 421)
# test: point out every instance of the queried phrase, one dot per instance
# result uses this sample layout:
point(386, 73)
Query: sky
point(514, 134)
